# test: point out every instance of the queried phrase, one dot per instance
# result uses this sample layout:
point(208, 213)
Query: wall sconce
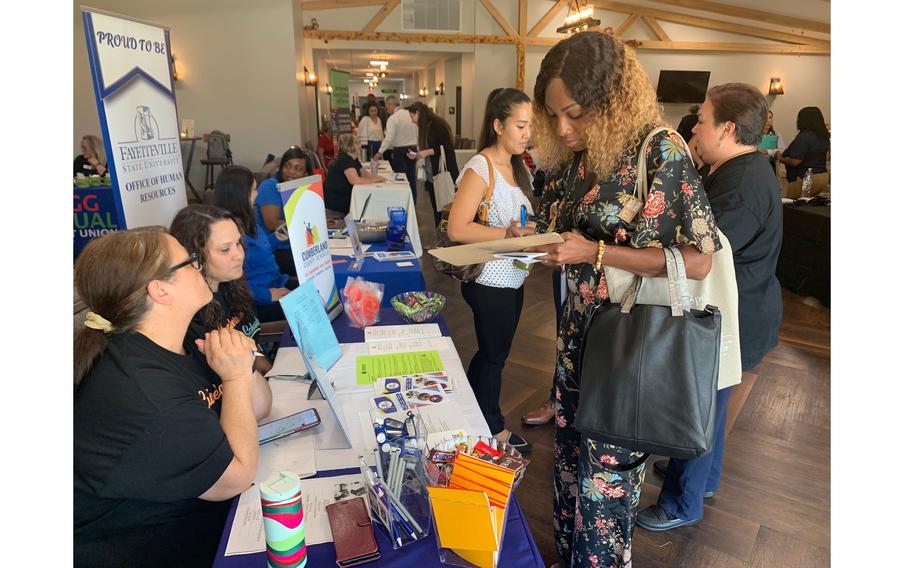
point(440, 90)
point(776, 87)
point(310, 78)
point(329, 89)
point(174, 74)
point(422, 92)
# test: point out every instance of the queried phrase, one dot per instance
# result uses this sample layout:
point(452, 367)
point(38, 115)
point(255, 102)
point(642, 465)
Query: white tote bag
point(718, 288)
point(443, 186)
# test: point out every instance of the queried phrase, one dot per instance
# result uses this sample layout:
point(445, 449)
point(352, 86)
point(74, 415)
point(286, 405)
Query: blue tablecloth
point(397, 279)
point(518, 549)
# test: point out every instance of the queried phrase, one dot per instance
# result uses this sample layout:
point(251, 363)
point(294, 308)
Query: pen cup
point(282, 519)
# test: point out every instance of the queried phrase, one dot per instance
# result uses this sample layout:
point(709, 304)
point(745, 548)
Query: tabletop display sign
point(94, 215)
point(304, 210)
point(131, 70)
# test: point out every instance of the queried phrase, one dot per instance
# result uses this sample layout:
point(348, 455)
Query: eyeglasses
point(192, 260)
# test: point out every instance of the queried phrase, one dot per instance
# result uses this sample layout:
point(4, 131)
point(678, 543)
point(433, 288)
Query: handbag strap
point(680, 300)
point(491, 174)
point(442, 161)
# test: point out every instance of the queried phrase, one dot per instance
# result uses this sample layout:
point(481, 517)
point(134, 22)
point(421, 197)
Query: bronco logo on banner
point(131, 74)
point(304, 209)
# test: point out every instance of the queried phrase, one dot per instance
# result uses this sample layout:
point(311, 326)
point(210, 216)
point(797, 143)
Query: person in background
point(496, 297)
point(810, 147)
point(214, 235)
point(269, 209)
point(745, 198)
point(400, 137)
point(92, 160)
point(371, 100)
point(687, 122)
point(325, 148)
point(370, 131)
point(164, 414)
point(432, 133)
point(235, 191)
point(345, 172)
point(593, 107)
point(769, 131)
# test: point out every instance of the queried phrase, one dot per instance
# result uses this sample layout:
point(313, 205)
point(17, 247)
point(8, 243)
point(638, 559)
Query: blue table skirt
point(518, 549)
point(397, 279)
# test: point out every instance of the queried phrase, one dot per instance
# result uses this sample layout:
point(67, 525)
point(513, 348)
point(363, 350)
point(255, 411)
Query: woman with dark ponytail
point(432, 133)
point(496, 297)
point(164, 419)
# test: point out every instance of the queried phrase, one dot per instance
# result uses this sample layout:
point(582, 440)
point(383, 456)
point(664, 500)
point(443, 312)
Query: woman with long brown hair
point(164, 416)
point(432, 133)
point(594, 107)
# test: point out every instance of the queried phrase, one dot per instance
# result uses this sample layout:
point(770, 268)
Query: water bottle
point(806, 190)
point(374, 167)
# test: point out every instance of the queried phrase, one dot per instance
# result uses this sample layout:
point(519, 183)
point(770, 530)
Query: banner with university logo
point(304, 212)
point(130, 62)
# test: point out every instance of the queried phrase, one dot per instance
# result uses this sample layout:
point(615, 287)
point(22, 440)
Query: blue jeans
point(687, 481)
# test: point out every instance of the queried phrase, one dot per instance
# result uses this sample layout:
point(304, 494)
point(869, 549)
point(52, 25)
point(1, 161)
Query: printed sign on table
point(132, 78)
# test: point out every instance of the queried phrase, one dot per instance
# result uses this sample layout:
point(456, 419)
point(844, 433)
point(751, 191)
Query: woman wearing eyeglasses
point(235, 191)
point(164, 425)
point(294, 164)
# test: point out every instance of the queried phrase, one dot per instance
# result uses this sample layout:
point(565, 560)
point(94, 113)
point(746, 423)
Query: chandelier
point(578, 19)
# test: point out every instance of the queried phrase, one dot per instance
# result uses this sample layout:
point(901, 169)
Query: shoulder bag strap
point(442, 161)
point(491, 174)
point(641, 182)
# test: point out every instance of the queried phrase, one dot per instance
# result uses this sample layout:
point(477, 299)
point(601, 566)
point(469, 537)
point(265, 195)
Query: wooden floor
point(773, 507)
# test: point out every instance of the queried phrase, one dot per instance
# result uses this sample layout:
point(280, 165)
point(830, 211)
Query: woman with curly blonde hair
point(594, 107)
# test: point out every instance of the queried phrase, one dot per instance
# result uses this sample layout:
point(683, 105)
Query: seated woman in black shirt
point(344, 173)
point(92, 160)
point(810, 147)
point(216, 238)
point(164, 425)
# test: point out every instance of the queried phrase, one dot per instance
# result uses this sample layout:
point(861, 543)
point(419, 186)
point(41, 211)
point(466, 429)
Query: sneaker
point(660, 470)
point(540, 415)
point(656, 519)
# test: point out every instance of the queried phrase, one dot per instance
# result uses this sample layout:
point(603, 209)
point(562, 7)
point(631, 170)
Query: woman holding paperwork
point(269, 209)
point(214, 235)
point(593, 108)
point(432, 133)
point(344, 173)
point(497, 295)
point(164, 425)
point(235, 191)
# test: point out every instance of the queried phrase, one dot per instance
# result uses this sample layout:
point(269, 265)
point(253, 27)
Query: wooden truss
point(794, 41)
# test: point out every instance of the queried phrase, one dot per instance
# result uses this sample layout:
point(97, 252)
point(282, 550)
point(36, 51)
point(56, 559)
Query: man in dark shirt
point(687, 122)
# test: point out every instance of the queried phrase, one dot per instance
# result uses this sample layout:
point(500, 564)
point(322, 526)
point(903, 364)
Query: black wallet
point(352, 532)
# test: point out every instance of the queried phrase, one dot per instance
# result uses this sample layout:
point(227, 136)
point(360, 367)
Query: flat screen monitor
point(682, 86)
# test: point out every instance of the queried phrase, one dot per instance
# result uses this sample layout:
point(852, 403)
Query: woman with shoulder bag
point(497, 295)
point(594, 106)
point(432, 133)
point(745, 199)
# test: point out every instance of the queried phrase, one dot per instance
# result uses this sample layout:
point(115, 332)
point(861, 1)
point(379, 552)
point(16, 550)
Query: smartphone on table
point(271, 431)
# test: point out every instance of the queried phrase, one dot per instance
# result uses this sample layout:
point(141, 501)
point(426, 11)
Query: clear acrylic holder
point(452, 558)
point(404, 517)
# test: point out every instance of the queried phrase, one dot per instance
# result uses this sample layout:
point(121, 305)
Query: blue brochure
point(305, 312)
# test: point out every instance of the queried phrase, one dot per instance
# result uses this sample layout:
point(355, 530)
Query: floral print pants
point(595, 504)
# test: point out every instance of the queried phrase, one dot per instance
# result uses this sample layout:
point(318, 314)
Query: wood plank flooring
point(773, 507)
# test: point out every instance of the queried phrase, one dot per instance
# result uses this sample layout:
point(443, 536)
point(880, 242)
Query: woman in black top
point(216, 237)
point(164, 422)
point(344, 173)
point(92, 160)
point(433, 132)
point(810, 147)
point(745, 199)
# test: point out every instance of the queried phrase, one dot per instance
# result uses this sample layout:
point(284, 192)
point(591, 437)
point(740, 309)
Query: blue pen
point(524, 216)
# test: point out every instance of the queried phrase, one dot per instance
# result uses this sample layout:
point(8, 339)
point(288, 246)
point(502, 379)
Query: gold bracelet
point(601, 247)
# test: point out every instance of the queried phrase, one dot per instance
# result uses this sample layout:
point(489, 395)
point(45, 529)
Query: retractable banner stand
point(132, 77)
point(304, 210)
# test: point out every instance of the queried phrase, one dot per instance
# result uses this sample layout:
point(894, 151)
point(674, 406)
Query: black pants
point(437, 216)
point(496, 313)
point(402, 164)
point(272, 311)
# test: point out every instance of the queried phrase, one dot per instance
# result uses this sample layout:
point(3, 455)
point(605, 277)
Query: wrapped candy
point(362, 301)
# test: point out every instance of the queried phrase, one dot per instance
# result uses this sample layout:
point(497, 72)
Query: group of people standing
point(166, 399)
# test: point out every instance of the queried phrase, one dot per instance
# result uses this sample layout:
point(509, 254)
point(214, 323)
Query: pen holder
point(398, 498)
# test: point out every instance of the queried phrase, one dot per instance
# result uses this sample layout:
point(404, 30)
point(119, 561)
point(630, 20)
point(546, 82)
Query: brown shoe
point(540, 415)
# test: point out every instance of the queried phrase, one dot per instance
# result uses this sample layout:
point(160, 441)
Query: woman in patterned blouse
point(594, 106)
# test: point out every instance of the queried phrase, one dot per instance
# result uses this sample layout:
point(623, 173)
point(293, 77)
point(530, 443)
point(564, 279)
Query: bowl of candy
point(371, 231)
point(418, 307)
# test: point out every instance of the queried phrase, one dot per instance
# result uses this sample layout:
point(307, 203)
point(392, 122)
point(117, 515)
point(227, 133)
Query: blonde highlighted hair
point(605, 78)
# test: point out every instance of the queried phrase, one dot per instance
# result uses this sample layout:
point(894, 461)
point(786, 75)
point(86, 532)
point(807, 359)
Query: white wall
point(237, 68)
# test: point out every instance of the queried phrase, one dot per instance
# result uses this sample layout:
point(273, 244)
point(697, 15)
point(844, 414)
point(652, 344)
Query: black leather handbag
point(649, 372)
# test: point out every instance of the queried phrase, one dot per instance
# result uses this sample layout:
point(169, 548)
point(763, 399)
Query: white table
point(385, 195)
